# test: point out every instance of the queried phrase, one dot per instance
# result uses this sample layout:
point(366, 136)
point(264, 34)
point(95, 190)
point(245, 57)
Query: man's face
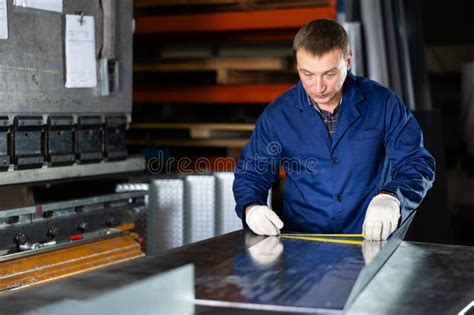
point(323, 77)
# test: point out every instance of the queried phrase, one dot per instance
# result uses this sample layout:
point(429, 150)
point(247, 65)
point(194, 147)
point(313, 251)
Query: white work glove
point(263, 221)
point(267, 251)
point(381, 218)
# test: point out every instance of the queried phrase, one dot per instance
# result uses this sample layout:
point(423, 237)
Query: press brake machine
point(52, 136)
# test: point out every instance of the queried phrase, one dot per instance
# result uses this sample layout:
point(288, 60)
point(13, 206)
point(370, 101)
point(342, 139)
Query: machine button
point(82, 227)
point(110, 222)
point(20, 239)
point(53, 232)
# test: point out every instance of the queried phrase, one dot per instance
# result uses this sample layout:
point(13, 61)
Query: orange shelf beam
point(282, 35)
point(255, 93)
point(232, 21)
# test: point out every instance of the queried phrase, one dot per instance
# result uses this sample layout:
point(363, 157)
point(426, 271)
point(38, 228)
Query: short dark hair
point(319, 37)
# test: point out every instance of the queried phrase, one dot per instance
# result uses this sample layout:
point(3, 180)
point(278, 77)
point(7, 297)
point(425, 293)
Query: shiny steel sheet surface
point(244, 271)
point(377, 254)
point(226, 268)
point(176, 296)
point(299, 273)
point(421, 278)
point(306, 274)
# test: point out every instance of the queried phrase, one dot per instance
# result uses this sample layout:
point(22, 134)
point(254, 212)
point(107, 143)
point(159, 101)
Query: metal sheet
point(176, 294)
point(166, 215)
point(382, 251)
point(226, 217)
point(398, 14)
point(412, 25)
point(355, 41)
point(125, 187)
point(423, 279)
point(32, 66)
point(372, 23)
point(420, 278)
point(302, 274)
point(199, 208)
point(393, 53)
point(467, 108)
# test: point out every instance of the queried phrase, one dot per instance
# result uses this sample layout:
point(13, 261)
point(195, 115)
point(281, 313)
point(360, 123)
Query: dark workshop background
point(203, 73)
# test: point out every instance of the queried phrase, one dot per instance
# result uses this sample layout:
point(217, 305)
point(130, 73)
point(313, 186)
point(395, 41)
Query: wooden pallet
point(218, 143)
point(217, 64)
point(197, 131)
point(229, 70)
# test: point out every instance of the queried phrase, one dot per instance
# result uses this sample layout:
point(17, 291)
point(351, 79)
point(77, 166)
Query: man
point(352, 151)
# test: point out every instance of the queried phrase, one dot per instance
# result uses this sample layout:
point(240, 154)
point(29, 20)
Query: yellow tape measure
point(327, 238)
point(324, 235)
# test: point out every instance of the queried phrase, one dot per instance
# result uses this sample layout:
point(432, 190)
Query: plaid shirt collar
point(315, 105)
point(329, 119)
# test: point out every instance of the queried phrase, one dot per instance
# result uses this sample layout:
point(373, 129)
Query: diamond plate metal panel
point(226, 218)
point(165, 220)
point(200, 208)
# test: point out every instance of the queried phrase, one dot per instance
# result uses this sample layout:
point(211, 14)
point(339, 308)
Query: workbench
point(302, 277)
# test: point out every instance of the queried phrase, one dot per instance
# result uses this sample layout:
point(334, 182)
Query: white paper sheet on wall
point(3, 20)
point(81, 63)
point(49, 5)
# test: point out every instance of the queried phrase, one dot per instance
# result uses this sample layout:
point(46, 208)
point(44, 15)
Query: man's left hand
point(381, 218)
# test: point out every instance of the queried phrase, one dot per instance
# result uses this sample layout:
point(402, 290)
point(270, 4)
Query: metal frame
point(70, 204)
point(11, 177)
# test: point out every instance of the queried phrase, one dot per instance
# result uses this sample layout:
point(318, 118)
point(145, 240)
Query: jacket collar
point(349, 112)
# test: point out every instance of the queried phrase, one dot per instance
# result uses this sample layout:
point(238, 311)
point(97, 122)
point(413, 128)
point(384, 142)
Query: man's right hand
point(262, 220)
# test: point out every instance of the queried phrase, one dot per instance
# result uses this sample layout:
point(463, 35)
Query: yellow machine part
point(42, 268)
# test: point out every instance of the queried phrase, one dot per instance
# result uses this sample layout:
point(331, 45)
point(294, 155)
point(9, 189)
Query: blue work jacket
point(377, 146)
